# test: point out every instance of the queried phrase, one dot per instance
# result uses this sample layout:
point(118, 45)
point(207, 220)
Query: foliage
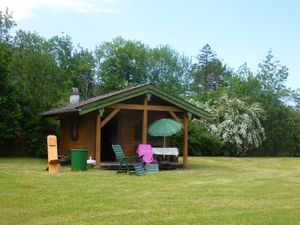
point(169, 70)
point(295, 99)
point(83, 72)
point(201, 142)
point(245, 85)
point(272, 76)
point(40, 83)
point(10, 111)
point(209, 74)
point(37, 73)
point(292, 134)
point(237, 124)
point(6, 24)
point(278, 116)
point(122, 63)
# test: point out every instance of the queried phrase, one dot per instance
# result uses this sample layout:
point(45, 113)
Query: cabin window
point(75, 130)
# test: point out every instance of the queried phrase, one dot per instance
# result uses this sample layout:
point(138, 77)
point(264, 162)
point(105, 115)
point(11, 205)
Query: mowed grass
point(211, 191)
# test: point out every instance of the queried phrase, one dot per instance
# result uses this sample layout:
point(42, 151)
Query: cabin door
point(109, 136)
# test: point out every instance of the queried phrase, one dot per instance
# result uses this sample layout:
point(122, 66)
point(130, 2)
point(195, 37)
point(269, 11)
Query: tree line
point(255, 113)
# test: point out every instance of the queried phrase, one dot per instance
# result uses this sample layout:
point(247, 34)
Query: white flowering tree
point(236, 123)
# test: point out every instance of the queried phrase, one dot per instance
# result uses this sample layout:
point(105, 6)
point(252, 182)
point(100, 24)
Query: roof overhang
point(107, 100)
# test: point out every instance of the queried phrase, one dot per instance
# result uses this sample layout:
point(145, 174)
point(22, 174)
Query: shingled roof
point(105, 100)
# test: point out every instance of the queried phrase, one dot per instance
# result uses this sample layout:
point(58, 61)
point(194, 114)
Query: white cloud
point(23, 9)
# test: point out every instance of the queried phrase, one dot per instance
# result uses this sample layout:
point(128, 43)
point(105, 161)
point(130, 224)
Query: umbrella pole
point(164, 157)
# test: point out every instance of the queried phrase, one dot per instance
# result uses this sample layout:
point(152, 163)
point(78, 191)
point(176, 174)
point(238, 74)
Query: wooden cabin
point(120, 117)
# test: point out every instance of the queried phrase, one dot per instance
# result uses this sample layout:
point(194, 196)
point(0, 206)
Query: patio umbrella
point(164, 128)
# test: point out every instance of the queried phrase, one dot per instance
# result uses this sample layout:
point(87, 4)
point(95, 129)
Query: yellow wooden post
point(185, 140)
point(53, 162)
point(145, 122)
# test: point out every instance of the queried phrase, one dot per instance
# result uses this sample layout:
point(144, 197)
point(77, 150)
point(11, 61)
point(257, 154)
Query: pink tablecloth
point(145, 151)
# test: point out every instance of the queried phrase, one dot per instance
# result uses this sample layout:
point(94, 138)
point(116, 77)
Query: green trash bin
point(78, 159)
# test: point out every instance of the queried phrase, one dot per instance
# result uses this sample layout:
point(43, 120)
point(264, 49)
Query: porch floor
point(163, 165)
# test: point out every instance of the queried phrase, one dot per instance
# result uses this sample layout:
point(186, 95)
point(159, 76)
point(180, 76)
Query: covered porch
point(126, 123)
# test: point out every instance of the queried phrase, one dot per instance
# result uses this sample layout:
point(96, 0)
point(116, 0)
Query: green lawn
point(211, 191)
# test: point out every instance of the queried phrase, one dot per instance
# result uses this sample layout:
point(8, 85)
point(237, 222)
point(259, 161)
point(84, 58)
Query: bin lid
point(77, 149)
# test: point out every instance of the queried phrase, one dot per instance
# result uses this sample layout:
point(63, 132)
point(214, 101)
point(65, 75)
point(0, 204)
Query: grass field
point(211, 191)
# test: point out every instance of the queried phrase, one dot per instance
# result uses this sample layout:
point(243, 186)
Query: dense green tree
point(273, 76)
point(268, 88)
point(42, 68)
point(169, 70)
point(37, 72)
point(295, 99)
point(210, 73)
point(9, 108)
point(10, 112)
point(245, 85)
point(83, 72)
point(121, 63)
point(41, 83)
point(6, 25)
point(292, 134)
point(244, 72)
point(61, 49)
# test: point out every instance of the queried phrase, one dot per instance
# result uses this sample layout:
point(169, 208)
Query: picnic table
point(165, 151)
point(165, 155)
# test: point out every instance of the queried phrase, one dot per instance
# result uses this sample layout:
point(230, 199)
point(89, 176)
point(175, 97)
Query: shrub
point(201, 141)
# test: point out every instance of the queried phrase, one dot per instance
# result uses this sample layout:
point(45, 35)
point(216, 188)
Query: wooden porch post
point(185, 140)
point(145, 122)
point(98, 139)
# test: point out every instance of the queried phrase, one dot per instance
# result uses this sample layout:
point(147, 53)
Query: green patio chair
point(127, 164)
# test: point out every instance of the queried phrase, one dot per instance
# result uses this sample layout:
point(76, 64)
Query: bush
point(35, 130)
point(201, 141)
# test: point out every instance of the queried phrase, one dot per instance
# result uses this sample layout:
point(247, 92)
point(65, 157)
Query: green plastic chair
point(152, 168)
point(127, 164)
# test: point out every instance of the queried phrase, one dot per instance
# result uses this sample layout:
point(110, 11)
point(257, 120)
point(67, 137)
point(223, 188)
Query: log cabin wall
point(78, 132)
point(130, 130)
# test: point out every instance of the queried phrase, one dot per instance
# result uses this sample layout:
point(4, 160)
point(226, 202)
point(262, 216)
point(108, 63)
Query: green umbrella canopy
point(164, 128)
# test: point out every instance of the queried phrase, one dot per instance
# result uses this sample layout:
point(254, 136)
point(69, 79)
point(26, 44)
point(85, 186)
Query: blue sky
point(238, 30)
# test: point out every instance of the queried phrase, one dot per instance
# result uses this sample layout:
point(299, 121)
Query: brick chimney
point(74, 97)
